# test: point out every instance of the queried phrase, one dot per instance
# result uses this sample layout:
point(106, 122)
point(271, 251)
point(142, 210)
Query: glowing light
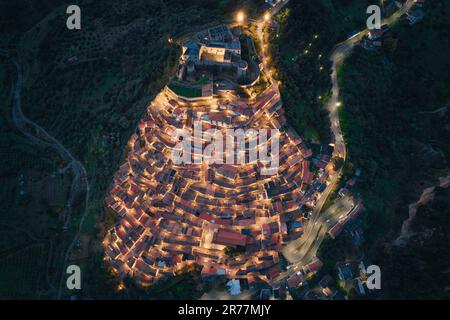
point(240, 17)
point(338, 104)
point(267, 17)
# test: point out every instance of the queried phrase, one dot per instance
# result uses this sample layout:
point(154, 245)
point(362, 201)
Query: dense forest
point(88, 88)
point(420, 270)
point(390, 128)
point(301, 47)
point(396, 124)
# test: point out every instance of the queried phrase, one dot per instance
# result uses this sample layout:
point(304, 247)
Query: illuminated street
point(174, 214)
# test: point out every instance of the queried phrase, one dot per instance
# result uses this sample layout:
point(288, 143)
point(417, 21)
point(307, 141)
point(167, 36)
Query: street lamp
point(240, 17)
point(267, 17)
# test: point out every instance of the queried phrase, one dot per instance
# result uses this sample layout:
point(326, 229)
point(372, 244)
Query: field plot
point(22, 273)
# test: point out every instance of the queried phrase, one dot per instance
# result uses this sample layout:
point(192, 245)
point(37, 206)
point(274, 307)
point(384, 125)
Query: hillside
point(420, 270)
point(391, 132)
point(395, 121)
point(301, 46)
point(87, 88)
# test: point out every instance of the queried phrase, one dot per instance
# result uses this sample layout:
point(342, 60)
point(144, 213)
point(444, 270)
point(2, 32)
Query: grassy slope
point(93, 105)
point(349, 15)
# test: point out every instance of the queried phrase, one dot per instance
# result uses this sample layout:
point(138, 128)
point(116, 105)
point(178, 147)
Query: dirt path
point(426, 196)
point(41, 137)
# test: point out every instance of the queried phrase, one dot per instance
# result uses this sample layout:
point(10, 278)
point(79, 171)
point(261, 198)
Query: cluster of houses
point(353, 275)
point(228, 218)
point(375, 38)
point(336, 229)
point(288, 287)
point(309, 283)
point(417, 12)
point(312, 284)
point(324, 289)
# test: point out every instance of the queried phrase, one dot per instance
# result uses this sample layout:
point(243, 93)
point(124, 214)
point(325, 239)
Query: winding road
point(39, 136)
point(302, 250)
point(298, 252)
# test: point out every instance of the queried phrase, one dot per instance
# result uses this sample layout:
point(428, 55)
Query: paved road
point(263, 37)
point(301, 251)
point(280, 5)
point(306, 250)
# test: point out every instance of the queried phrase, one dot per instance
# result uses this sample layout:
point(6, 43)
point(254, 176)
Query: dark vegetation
point(88, 88)
point(332, 251)
point(186, 285)
point(308, 31)
point(121, 59)
point(298, 65)
point(420, 270)
point(390, 132)
point(17, 17)
point(349, 16)
point(32, 200)
point(395, 121)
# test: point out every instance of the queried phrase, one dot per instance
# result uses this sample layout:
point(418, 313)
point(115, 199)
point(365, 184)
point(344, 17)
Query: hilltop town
point(230, 219)
point(252, 149)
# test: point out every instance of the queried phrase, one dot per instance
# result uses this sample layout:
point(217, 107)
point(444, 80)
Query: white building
point(234, 287)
